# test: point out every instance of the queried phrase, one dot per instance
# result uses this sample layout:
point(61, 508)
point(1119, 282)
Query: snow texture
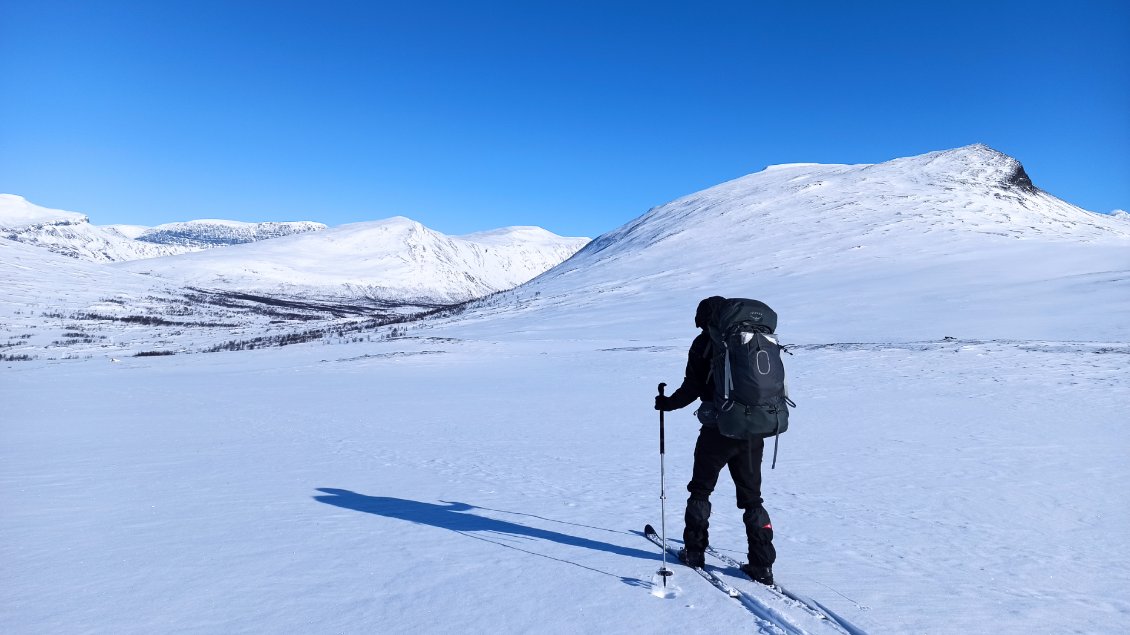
point(956, 462)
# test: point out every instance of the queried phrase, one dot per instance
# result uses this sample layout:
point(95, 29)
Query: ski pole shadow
point(455, 517)
point(560, 522)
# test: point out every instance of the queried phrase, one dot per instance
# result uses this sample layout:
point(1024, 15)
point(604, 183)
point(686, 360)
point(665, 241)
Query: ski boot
point(692, 558)
point(764, 575)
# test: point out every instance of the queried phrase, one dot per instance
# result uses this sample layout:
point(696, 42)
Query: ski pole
point(664, 572)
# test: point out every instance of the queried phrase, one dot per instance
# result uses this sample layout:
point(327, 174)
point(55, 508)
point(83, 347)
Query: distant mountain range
point(72, 234)
point(958, 243)
point(394, 260)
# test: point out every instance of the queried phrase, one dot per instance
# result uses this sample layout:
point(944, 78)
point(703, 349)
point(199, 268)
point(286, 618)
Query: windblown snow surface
point(956, 463)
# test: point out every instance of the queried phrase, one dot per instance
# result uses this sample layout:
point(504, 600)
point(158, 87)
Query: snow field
point(421, 485)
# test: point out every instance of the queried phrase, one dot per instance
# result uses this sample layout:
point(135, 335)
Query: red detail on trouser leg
point(768, 526)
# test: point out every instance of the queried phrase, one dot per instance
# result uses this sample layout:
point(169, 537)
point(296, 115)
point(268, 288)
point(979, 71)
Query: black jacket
point(696, 383)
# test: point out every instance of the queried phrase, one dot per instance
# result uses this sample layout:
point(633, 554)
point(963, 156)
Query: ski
point(769, 619)
point(810, 606)
point(718, 583)
point(768, 616)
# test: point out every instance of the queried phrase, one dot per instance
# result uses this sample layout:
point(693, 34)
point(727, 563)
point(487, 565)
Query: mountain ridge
point(395, 260)
point(72, 234)
point(955, 243)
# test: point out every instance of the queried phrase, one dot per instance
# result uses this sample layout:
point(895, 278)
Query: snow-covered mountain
point(72, 234)
point(396, 259)
point(215, 233)
point(954, 243)
point(16, 212)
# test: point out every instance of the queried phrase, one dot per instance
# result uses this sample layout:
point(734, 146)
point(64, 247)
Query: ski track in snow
point(286, 490)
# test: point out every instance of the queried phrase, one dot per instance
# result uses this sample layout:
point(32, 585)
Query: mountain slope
point(954, 243)
point(395, 259)
point(36, 278)
point(16, 212)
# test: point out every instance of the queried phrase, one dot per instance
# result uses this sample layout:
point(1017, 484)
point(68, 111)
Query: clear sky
point(574, 115)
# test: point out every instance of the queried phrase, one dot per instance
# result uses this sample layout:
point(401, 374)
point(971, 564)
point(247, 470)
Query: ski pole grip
point(662, 386)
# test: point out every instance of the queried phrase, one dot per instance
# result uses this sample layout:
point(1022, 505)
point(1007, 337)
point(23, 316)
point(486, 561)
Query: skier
point(711, 453)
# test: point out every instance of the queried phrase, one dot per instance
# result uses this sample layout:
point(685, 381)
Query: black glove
point(663, 402)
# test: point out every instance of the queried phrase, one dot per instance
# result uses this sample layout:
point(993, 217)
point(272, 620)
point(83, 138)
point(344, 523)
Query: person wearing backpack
point(710, 378)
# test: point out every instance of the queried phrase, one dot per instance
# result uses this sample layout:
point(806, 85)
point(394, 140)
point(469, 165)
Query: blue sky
point(574, 115)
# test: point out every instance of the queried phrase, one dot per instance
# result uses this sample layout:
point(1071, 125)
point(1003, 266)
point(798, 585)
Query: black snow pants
point(711, 453)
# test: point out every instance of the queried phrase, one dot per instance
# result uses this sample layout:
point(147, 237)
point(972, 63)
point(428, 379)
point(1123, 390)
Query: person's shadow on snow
point(455, 516)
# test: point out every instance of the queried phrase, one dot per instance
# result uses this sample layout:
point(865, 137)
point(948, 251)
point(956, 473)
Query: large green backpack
point(751, 398)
